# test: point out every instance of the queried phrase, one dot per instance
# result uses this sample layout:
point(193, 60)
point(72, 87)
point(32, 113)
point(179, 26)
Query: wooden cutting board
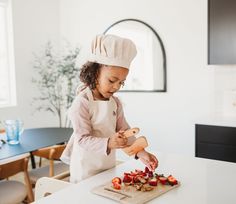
point(129, 195)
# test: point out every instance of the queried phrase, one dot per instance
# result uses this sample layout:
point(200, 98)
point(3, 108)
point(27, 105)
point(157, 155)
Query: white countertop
point(203, 181)
point(217, 120)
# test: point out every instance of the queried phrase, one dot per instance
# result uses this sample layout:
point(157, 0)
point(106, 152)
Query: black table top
point(36, 138)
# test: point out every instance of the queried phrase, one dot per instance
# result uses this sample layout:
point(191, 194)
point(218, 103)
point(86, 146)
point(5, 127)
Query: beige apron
point(103, 119)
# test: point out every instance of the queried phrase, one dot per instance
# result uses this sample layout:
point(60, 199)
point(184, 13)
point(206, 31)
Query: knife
point(114, 191)
point(131, 132)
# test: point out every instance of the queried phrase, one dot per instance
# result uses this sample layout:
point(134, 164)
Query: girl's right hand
point(118, 140)
point(148, 159)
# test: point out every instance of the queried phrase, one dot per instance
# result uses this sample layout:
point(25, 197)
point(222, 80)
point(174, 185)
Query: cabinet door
point(221, 31)
point(215, 142)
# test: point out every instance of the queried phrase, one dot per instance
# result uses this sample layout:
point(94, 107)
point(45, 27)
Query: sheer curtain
point(7, 67)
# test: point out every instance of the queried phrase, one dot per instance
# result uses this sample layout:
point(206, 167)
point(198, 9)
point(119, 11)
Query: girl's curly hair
point(89, 73)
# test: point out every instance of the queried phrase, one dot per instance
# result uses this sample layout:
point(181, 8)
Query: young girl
point(97, 116)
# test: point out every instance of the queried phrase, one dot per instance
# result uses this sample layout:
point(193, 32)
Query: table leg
point(32, 161)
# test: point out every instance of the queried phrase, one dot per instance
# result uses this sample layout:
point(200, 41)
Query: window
point(7, 67)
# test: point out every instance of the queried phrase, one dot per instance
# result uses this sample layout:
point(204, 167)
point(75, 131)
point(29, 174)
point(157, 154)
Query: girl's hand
point(118, 140)
point(148, 159)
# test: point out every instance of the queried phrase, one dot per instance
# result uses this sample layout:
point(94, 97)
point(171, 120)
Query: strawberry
point(126, 173)
point(146, 170)
point(153, 182)
point(150, 174)
point(143, 174)
point(127, 179)
point(116, 180)
point(159, 175)
point(136, 179)
point(171, 180)
point(163, 180)
point(133, 173)
point(142, 179)
point(117, 186)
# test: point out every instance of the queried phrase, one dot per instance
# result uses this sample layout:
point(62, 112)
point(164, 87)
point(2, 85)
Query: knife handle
point(131, 132)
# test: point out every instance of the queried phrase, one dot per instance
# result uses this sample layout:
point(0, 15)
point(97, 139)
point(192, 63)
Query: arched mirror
point(148, 70)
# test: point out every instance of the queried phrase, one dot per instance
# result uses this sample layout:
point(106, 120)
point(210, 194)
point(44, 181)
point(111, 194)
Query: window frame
point(156, 72)
point(10, 98)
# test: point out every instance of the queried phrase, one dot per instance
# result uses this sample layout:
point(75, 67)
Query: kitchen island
point(202, 181)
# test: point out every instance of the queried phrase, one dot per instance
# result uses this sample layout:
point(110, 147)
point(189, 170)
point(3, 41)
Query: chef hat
point(112, 50)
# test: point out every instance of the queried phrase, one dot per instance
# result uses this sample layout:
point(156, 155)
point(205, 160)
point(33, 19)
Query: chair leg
point(30, 194)
point(40, 161)
point(51, 168)
point(29, 189)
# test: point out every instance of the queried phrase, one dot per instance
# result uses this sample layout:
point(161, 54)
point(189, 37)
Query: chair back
point(13, 167)
point(10, 167)
point(56, 152)
point(51, 153)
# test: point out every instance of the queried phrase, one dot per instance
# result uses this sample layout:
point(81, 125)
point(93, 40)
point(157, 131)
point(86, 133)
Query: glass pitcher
point(14, 129)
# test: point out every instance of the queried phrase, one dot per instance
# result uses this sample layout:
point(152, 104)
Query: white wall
point(167, 119)
point(34, 23)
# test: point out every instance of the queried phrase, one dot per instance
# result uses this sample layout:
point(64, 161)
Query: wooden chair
point(55, 166)
point(12, 191)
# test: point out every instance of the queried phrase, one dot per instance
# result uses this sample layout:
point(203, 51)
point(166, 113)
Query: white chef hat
point(112, 50)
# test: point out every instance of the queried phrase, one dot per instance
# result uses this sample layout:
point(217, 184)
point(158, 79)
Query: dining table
point(33, 139)
point(201, 181)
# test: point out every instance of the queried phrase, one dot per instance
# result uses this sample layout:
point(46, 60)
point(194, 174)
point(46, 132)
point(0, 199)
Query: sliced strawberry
point(143, 174)
point(116, 186)
point(133, 173)
point(160, 175)
point(146, 177)
point(116, 180)
point(150, 174)
point(142, 180)
point(126, 173)
point(146, 170)
point(136, 179)
point(127, 179)
point(153, 182)
point(163, 180)
point(172, 180)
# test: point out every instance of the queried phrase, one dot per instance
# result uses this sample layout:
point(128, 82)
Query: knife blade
point(114, 191)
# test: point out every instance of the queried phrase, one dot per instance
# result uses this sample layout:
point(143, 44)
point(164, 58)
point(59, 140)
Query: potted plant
point(56, 78)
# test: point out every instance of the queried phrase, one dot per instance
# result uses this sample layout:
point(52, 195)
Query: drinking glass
point(14, 129)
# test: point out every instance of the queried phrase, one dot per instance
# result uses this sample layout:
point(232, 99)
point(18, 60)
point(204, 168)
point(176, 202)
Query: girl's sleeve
point(121, 123)
point(80, 119)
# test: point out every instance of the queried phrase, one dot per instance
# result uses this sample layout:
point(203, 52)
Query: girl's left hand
point(148, 159)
